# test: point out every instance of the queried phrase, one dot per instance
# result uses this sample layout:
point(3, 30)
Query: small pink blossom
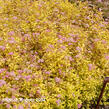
point(99, 0)
point(38, 26)
point(40, 5)
point(11, 53)
point(2, 82)
point(104, 42)
point(107, 57)
point(37, 19)
point(11, 41)
point(79, 106)
point(60, 71)
point(71, 39)
point(69, 43)
point(6, 18)
point(60, 41)
point(63, 47)
point(38, 92)
point(47, 30)
point(59, 36)
point(71, 34)
point(2, 70)
point(23, 39)
point(77, 56)
point(14, 107)
point(8, 106)
point(27, 77)
point(27, 35)
point(35, 85)
point(20, 71)
point(96, 40)
point(90, 66)
point(40, 60)
point(64, 39)
point(1, 38)
point(57, 79)
point(36, 53)
point(59, 95)
point(73, 94)
point(2, 47)
point(58, 102)
point(37, 34)
point(51, 46)
point(47, 72)
point(70, 58)
point(15, 17)
point(12, 73)
point(78, 49)
point(20, 107)
point(11, 33)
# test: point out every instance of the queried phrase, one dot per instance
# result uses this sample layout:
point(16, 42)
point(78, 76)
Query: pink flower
point(6, 18)
point(27, 35)
point(103, 41)
point(60, 41)
point(36, 53)
point(12, 74)
point(107, 57)
point(79, 106)
point(64, 39)
point(47, 72)
point(23, 39)
point(90, 66)
point(40, 5)
point(99, 0)
point(78, 49)
point(69, 43)
point(70, 58)
point(37, 19)
point(37, 34)
point(27, 77)
point(8, 106)
point(59, 36)
point(58, 101)
point(2, 70)
point(63, 47)
point(38, 26)
point(47, 30)
point(57, 80)
point(20, 71)
point(2, 47)
point(14, 107)
point(60, 71)
point(51, 46)
point(11, 53)
point(1, 38)
point(40, 60)
point(71, 34)
point(73, 94)
point(71, 39)
point(20, 107)
point(11, 41)
point(96, 40)
point(2, 82)
point(15, 17)
point(11, 33)
point(59, 95)
point(77, 56)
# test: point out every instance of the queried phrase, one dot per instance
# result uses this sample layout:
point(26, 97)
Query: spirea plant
point(53, 50)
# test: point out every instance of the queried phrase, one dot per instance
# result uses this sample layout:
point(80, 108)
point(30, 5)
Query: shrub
point(53, 50)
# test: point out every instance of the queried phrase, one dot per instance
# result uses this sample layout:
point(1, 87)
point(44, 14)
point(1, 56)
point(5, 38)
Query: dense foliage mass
point(53, 50)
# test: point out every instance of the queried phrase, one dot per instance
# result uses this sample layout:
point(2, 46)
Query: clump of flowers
point(52, 49)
